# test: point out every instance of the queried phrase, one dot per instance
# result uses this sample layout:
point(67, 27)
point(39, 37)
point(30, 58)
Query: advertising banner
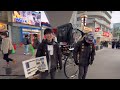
point(27, 17)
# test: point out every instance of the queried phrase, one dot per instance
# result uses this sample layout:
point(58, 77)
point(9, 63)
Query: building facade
point(96, 20)
point(116, 31)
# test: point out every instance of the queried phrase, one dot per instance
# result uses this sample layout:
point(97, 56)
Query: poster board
point(32, 65)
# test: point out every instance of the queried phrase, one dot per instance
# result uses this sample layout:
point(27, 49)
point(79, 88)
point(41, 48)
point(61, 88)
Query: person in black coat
point(113, 44)
point(0, 42)
point(83, 54)
point(53, 55)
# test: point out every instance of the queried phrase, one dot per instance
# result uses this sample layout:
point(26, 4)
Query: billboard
point(27, 17)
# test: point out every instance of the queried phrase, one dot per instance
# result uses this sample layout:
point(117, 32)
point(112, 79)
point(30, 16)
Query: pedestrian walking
point(35, 43)
point(26, 42)
point(113, 44)
point(85, 50)
point(51, 50)
point(0, 42)
point(6, 48)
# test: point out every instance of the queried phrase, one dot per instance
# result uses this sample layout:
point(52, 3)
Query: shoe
point(27, 53)
point(14, 61)
point(8, 64)
point(24, 53)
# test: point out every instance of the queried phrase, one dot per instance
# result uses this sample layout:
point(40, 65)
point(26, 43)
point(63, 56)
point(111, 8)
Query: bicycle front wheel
point(70, 68)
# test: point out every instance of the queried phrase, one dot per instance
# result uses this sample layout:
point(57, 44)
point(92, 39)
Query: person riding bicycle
point(86, 51)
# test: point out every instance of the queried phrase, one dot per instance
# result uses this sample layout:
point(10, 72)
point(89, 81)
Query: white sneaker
point(27, 53)
point(24, 53)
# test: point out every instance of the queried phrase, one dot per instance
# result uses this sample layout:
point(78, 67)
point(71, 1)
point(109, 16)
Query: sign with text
point(33, 65)
point(27, 17)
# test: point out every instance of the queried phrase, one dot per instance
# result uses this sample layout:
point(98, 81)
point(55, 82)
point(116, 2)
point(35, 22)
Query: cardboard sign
point(32, 65)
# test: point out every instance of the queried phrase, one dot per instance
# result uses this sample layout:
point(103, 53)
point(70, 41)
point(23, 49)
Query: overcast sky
point(115, 17)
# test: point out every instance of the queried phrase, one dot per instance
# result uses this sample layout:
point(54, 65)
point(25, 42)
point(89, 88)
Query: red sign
point(54, 30)
point(97, 29)
point(106, 34)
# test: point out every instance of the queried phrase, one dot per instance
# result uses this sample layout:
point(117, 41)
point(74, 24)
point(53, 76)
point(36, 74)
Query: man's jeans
point(26, 49)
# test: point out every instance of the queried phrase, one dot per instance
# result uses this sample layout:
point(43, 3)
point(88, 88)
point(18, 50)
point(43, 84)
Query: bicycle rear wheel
point(70, 68)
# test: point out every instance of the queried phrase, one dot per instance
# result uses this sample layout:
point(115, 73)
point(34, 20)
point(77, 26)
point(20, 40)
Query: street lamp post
point(83, 21)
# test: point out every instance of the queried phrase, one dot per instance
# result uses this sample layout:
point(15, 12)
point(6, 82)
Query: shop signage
point(106, 34)
point(20, 20)
point(3, 26)
point(87, 29)
point(97, 29)
point(27, 17)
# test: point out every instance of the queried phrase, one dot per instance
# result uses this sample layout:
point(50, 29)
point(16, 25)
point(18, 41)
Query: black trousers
point(44, 75)
point(82, 72)
point(6, 57)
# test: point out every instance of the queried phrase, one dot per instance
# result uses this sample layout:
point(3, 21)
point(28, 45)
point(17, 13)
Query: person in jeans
point(26, 42)
point(51, 50)
point(84, 53)
point(5, 47)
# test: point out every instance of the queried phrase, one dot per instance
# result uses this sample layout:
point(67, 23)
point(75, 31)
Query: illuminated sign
point(3, 26)
point(87, 29)
point(27, 17)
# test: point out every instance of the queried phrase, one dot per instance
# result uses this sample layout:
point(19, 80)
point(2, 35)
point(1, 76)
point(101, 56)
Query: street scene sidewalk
point(100, 59)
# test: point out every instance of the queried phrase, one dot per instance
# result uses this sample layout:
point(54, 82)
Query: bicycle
point(70, 68)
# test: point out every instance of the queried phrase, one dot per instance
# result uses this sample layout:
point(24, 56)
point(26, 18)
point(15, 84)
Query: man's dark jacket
point(84, 53)
point(42, 51)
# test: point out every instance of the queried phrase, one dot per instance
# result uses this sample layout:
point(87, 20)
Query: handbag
point(11, 51)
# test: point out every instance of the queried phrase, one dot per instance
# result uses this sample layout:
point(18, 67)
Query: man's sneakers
point(26, 53)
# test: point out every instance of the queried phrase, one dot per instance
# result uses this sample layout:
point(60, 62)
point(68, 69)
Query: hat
point(47, 31)
point(89, 37)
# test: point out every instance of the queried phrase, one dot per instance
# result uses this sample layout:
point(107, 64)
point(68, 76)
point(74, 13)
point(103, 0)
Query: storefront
point(25, 22)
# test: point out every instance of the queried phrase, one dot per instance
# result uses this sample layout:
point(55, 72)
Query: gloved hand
point(59, 67)
point(91, 62)
point(76, 63)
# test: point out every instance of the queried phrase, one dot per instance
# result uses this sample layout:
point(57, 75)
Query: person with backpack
point(83, 54)
point(51, 50)
point(6, 48)
point(26, 42)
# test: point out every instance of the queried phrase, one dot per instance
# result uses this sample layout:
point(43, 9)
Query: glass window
point(78, 18)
